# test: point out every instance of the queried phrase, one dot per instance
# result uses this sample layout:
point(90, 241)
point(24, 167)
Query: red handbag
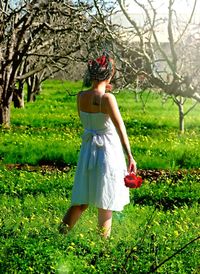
point(132, 181)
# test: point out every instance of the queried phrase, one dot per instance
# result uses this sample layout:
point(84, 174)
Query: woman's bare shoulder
point(110, 102)
point(109, 97)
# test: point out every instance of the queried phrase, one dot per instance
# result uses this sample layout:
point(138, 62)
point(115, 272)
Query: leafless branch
point(188, 23)
point(153, 269)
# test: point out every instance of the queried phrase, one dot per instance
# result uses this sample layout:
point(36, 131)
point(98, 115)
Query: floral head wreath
point(99, 69)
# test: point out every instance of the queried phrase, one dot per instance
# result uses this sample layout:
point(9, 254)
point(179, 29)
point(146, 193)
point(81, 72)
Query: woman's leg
point(71, 217)
point(105, 221)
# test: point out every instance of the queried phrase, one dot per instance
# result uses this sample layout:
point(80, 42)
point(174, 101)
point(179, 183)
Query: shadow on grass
point(164, 203)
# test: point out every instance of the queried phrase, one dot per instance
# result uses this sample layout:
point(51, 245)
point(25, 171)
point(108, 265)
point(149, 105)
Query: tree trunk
point(5, 115)
point(18, 96)
point(181, 115)
point(136, 96)
point(30, 94)
point(31, 97)
point(33, 88)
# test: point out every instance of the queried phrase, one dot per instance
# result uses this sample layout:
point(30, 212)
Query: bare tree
point(39, 38)
point(156, 47)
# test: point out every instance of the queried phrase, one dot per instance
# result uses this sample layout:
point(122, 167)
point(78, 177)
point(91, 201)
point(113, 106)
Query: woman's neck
point(99, 87)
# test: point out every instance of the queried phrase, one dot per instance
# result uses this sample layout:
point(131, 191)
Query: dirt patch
point(44, 168)
point(150, 174)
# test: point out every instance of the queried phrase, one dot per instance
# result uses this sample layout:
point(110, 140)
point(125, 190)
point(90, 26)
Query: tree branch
point(191, 108)
point(171, 38)
point(188, 23)
point(153, 269)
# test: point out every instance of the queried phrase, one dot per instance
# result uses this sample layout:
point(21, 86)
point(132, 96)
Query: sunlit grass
point(162, 217)
point(49, 130)
point(33, 200)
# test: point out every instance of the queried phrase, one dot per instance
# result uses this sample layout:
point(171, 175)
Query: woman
point(99, 178)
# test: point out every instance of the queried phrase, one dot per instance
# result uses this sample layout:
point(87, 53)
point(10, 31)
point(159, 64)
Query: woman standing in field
point(99, 178)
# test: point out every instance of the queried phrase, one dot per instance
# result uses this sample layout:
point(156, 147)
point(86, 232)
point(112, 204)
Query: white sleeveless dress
point(99, 177)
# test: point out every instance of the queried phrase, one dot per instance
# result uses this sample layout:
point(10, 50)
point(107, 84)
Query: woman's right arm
point(115, 115)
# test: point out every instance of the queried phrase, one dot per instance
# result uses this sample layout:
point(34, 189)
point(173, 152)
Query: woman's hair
point(99, 69)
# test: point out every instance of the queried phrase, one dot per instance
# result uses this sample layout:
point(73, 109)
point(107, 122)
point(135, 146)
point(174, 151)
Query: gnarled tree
point(157, 47)
point(39, 38)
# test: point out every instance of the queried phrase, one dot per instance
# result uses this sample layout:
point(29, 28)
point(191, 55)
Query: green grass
point(162, 217)
point(32, 204)
point(49, 130)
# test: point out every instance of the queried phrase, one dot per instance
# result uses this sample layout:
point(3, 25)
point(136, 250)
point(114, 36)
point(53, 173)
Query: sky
point(183, 10)
point(181, 6)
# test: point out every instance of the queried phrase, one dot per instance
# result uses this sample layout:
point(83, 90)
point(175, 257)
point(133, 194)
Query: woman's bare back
point(91, 102)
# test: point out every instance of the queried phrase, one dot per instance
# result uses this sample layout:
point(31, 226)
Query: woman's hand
point(132, 165)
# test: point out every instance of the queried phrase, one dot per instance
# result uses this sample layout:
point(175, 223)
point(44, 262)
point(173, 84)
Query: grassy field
point(38, 159)
point(49, 131)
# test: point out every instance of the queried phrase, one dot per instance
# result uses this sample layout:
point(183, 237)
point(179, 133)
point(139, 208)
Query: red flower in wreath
point(102, 61)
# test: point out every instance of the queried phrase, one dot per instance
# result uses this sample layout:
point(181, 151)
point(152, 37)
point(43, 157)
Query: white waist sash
point(95, 136)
